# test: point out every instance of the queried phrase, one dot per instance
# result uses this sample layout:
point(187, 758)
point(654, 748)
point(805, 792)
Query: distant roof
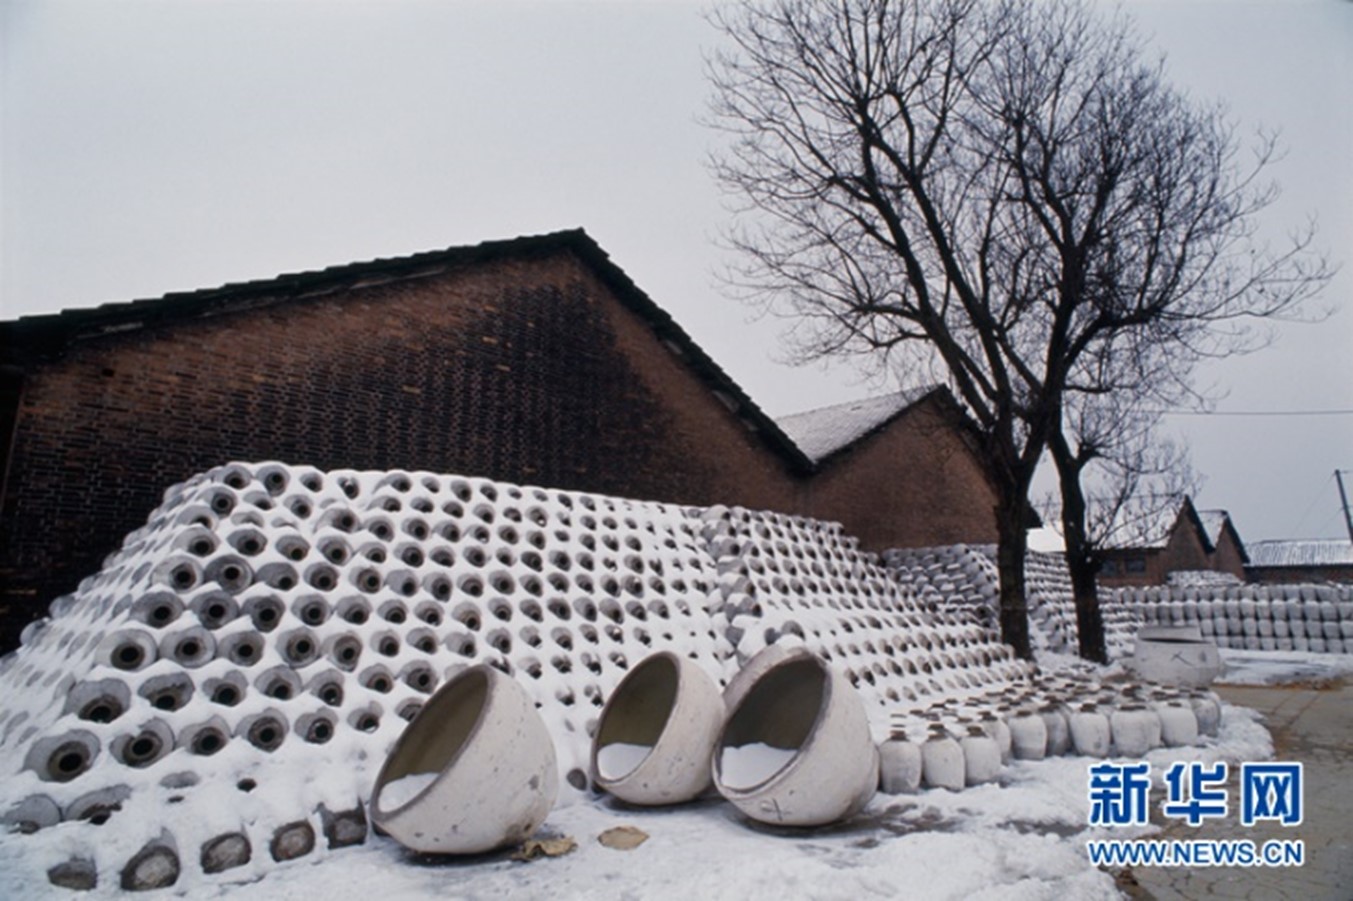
point(32, 338)
point(1303, 552)
point(1150, 528)
point(1214, 522)
point(1217, 523)
point(826, 431)
point(1046, 540)
point(1143, 529)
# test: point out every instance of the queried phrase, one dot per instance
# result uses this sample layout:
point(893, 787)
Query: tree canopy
point(1008, 195)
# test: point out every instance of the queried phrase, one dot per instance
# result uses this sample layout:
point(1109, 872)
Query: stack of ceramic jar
point(1253, 617)
point(266, 610)
point(804, 581)
point(963, 578)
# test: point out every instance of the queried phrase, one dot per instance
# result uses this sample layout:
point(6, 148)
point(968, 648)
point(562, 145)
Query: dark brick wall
point(1183, 552)
point(529, 371)
point(1300, 575)
point(523, 369)
point(1227, 557)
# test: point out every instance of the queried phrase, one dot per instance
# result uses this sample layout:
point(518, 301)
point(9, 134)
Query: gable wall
point(913, 484)
point(1184, 550)
point(1227, 558)
point(698, 451)
point(521, 370)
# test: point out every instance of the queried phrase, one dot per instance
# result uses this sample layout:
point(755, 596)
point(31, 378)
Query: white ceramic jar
point(796, 749)
point(656, 735)
point(899, 765)
point(475, 769)
point(1058, 729)
point(1028, 735)
point(997, 729)
point(1090, 733)
point(942, 764)
point(1178, 724)
point(1207, 711)
point(981, 757)
point(1136, 730)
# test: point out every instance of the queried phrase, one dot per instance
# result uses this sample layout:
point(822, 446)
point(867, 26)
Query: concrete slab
point(1311, 722)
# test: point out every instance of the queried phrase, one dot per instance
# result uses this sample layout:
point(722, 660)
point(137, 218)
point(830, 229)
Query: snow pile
point(964, 577)
point(1316, 618)
point(1020, 838)
point(1210, 578)
point(959, 579)
point(1283, 667)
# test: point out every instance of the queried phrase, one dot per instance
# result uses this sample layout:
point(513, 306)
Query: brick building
point(1296, 561)
point(1191, 541)
point(895, 469)
point(534, 360)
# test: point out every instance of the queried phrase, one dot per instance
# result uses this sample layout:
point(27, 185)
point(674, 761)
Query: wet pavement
point(1311, 722)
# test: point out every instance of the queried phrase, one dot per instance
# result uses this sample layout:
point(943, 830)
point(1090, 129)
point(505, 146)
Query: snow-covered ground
point(1278, 667)
point(1022, 838)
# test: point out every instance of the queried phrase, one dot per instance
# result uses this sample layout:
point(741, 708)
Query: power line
point(1254, 412)
point(1320, 493)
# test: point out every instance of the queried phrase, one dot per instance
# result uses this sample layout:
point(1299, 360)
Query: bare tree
point(1116, 479)
point(992, 192)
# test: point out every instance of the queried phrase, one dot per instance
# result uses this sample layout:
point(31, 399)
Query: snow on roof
point(1151, 527)
point(1302, 552)
point(822, 432)
point(1046, 540)
point(1214, 522)
point(1143, 529)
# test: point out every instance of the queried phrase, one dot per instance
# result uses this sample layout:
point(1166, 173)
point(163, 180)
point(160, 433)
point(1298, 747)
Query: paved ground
point(1313, 723)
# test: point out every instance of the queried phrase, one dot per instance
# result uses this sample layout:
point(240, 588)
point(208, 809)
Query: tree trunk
point(1081, 559)
point(1012, 518)
point(1089, 621)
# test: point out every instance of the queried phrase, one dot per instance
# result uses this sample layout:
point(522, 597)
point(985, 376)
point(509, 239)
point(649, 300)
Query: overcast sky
point(152, 146)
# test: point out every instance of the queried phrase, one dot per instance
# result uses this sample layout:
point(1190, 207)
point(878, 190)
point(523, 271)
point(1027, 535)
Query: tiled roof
point(1304, 552)
point(33, 338)
point(826, 431)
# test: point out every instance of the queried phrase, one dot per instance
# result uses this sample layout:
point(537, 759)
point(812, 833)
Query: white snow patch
point(1021, 838)
point(619, 759)
point(401, 791)
point(752, 764)
point(1279, 667)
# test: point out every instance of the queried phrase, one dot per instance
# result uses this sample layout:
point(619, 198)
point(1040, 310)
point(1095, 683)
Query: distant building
point(1189, 541)
point(534, 360)
point(897, 470)
point(1318, 560)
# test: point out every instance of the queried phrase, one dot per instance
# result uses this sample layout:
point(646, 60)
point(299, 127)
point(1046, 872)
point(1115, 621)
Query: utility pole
point(1343, 496)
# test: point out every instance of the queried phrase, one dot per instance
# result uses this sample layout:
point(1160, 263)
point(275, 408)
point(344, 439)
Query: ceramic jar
point(796, 749)
point(656, 735)
point(474, 770)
